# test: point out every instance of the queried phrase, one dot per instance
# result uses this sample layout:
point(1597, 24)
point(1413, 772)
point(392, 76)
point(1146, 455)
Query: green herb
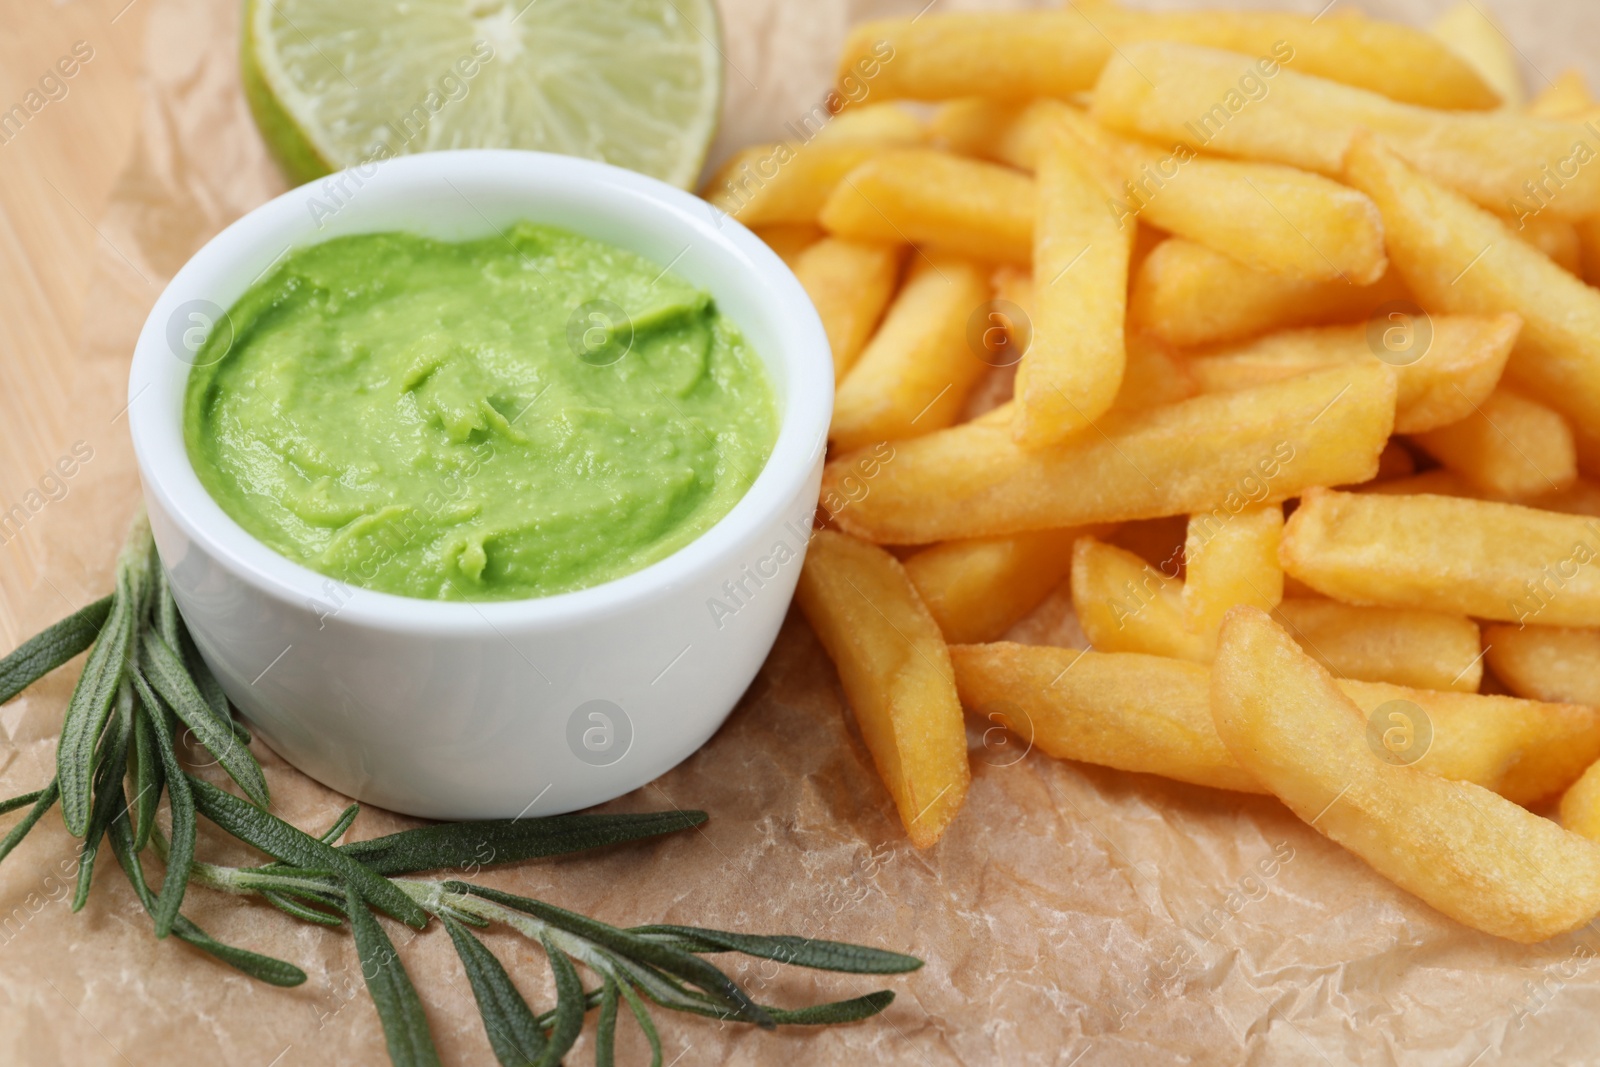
point(144, 676)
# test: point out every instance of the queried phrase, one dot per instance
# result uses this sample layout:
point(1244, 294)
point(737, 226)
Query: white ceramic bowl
point(493, 710)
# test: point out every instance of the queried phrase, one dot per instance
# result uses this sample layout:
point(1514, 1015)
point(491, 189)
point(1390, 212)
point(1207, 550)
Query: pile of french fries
point(1275, 341)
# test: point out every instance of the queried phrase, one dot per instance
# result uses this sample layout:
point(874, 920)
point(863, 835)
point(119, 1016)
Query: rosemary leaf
point(148, 777)
point(405, 1026)
point(166, 609)
point(108, 794)
point(798, 951)
point(346, 819)
point(168, 676)
point(46, 797)
point(272, 971)
point(691, 969)
point(206, 682)
point(8, 806)
point(840, 1011)
point(571, 1006)
point(280, 840)
point(180, 853)
point(90, 706)
point(51, 647)
point(108, 661)
point(642, 1015)
point(514, 1033)
point(470, 845)
point(292, 907)
point(605, 1033)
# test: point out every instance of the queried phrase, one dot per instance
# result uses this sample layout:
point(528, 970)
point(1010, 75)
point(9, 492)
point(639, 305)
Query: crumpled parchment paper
point(1072, 915)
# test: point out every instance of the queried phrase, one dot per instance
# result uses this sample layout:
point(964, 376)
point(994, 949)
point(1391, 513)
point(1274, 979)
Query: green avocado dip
point(526, 414)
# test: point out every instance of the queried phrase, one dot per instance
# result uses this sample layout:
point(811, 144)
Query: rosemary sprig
point(144, 676)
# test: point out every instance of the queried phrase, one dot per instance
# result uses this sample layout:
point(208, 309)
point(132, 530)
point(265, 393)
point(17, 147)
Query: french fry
point(929, 197)
point(1020, 55)
point(1124, 604)
point(1589, 248)
point(1471, 854)
point(1189, 295)
point(1231, 560)
point(1457, 258)
point(1270, 218)
point(896, 672)
point(1580, 806)
point(790, 239)
point(1582, 497)
point(1473, 35)
point(1566, 97)
point(1226, 450)
point(1231, 105)
point(1546, 662)
point(1395, 462)
point(1154, 375)
point(1152, 715)
point(1556, 238)
point(974, 126)
point(1462, 358)
point(1473, 557)
point(784, 183)
point(850, 282)
point(1437, 482)
point(1014, 55)
point(914, 375)
point(1116, 709)
point(977, 590)
point(1509, 447)
point(1071, 372)
point(1403, 646)
point(884, 123)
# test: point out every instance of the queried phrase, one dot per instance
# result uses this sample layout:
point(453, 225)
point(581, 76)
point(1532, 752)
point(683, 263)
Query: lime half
point(335, 83)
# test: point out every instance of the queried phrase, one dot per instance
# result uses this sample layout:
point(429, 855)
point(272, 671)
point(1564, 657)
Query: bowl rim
point(805, 396)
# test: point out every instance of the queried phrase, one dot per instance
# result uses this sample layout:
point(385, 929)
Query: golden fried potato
point(974, 126)
point(1269, 217)
point(1153, 375)
point(1469, 32)
point(1509, 447)
point(896, 672)
point(786, 183)
point(978, 589)
point(1457, 258)
point(1473, 855)
point(1546, 662)
point(1125, 604)
point(1566, 97)
point(1474, 557)
point(850, 282)
point(1071, 372)
point(1231, 560)
point(929, 197)
point(1023, 54)
point(1226, 450)
point(1132, 712)
point(1010, 55)
point(1189, 295)
point(1152, 715)
point(1446, 365)
point(1556, 238)
point(1233, 105)
point(1580, 806)
point(790, 239)
point(1403, 646)
point(914, 375)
